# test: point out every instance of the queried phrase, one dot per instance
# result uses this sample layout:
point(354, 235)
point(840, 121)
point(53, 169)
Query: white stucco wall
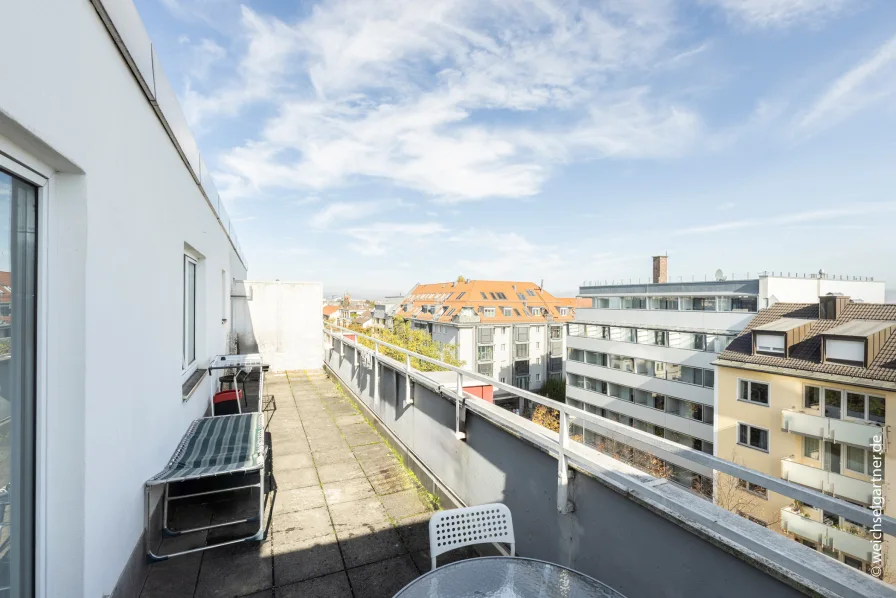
point(280, 320)
point(113, 232)
point(808, 290)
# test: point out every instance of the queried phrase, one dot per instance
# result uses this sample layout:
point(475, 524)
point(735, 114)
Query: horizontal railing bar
point(641, 439)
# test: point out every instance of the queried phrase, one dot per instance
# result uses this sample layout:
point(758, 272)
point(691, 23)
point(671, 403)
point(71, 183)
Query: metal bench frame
point(256, 536)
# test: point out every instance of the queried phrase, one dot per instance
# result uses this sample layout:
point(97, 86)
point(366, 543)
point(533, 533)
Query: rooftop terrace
point(347, 519)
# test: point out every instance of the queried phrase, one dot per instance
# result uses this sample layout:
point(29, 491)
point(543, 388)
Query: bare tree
point(745, 499)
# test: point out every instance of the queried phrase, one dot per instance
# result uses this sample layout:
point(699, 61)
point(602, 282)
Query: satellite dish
point(720, 275)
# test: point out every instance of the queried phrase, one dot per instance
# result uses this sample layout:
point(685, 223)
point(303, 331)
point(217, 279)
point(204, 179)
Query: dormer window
point(856, 342)
point(536, 311)
point(488, 312)
point(508, 312)
point(564, 311)
point(778, 336)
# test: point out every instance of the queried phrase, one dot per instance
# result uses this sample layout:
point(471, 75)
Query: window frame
point(746, 486)
point(768, 440)
point(817, 407)
point(188, 366)
point(864, 460)
point(818, 447)
point(750, 383)
point(28, 488)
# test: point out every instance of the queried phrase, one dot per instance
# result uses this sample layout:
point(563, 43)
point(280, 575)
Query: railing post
point(563, 504)
point(341, 347)
point(376, 379)
point(408, 399)
point(459, 431)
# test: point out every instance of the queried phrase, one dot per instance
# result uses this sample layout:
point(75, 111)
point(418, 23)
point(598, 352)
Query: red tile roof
point(448, 298)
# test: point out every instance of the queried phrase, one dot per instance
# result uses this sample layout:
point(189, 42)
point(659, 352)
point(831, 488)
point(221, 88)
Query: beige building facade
point(793, 405)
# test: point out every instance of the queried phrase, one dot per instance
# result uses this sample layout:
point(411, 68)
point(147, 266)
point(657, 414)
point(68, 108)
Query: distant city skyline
point(374, 144)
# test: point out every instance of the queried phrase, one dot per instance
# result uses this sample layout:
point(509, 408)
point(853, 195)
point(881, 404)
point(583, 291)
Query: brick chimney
point(660, 263)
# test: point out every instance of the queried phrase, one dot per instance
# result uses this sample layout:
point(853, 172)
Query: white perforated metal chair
point(457, 528)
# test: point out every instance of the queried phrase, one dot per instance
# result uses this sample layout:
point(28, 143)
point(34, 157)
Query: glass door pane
point(832, 400)
point(832, 457)
point(18, 297)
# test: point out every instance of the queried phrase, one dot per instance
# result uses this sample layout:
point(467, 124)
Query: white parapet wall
point(280, 320)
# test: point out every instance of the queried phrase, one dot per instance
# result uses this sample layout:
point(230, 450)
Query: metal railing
point(560, 445)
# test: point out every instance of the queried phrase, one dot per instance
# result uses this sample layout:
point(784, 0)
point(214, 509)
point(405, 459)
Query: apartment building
point(804, 394)
point(512, 331)
point(384, 310)
point(643, 354)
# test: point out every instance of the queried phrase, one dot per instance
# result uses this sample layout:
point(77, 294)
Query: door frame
point(32, 564)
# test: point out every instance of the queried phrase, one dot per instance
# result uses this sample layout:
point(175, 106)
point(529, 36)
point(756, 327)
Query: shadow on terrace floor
point(347, 519)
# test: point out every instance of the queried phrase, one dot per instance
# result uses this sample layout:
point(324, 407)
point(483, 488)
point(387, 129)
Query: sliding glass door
point(18, 307)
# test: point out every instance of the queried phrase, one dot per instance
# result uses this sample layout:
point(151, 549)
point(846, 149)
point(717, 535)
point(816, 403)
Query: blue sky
point(372, 144)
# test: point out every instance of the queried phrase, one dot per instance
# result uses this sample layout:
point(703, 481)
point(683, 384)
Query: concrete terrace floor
point(347, 518)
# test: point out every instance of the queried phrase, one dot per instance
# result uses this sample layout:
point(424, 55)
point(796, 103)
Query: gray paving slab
point(302, 525)
point(384, 578)
point(328, 586)
point(347, 490)
point(338, 472)
point(369, 543)
point(404, 504)
point(294, 461)
point(358, 513)
point(331, 456)
point(298, 499)
point(306, 559)
point(296, 478)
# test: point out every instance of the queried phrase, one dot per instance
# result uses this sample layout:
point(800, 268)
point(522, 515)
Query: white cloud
point(853, 210)
point(341, 212)
point(393, 90)
point(261, 71)
point(379, 238)
point(203, 56)
point(781, 14)
point(872, 80)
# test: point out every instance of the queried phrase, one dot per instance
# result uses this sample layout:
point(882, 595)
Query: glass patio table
point(505, 577)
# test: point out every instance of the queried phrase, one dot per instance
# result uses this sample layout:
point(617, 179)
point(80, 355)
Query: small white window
point(503, 347)
point(564, 311)
point(537, 344)
point(770, 343)
point(508, 312)
point(844, 351)
point(189, 319)
point(537, 377)
point(488, 312)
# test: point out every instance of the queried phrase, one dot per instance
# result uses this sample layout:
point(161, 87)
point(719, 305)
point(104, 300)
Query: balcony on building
point(828, 533)
point(829, 482)
point(859, 433)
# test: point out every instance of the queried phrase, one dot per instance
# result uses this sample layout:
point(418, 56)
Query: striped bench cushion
point(215, 446)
